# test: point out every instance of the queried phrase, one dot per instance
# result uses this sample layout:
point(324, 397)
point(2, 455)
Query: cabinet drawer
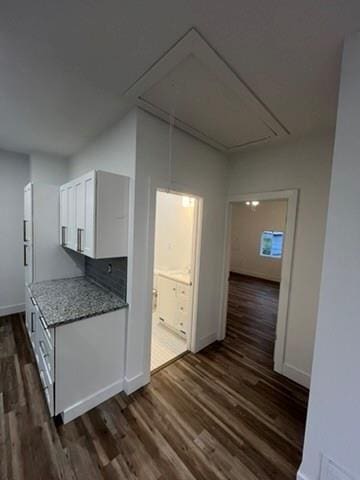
point(47, 385)
point(45, 348)
point(183, 304)
point(183, 291)
point(181, 322)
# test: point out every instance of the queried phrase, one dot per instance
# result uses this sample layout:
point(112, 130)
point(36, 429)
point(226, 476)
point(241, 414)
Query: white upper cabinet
point(94, 212)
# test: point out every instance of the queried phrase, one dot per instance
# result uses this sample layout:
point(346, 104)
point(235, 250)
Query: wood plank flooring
point(221, 414)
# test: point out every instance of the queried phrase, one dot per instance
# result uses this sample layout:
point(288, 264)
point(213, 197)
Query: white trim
point(205, 341)
point(299, 376)
point(197, 235)
point(91, 401)
point(12, 309)
point(286, 267)
point(134, 383)
point(192, 43)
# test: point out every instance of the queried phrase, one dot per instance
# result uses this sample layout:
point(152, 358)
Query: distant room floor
point(165, 345)
point(252, 316)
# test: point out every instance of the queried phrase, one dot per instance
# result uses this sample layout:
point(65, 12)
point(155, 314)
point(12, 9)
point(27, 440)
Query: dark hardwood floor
point(252, 316)
point(220, 414)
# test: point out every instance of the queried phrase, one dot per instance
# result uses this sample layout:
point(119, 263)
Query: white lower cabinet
point(81, 364)
point(174, 304)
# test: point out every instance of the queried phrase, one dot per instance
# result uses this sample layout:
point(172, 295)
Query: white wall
point(48, 168)
point(333, 422)
point(247, 226)
point(173, 233)
point(304, 164)
point(199, 170)
point(113, 151)
point(14, 174)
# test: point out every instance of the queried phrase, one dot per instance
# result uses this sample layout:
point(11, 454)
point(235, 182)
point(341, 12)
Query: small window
point(271, 244)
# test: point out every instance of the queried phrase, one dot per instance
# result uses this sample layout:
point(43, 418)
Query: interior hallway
point(220, 414)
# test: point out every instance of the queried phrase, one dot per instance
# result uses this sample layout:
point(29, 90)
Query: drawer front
point(47, 385)
point(183, 291)
point(183, 304)
point(181, 322)
point(45, 347)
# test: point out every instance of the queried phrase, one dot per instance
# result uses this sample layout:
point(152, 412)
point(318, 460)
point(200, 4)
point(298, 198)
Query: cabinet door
point(167, 300)
point(71, 221)
point(28, 263)
point(27, 233)
point(183, 307)
point(79, 187)
point(29, 307)
point(64, 216)
point(88, 235)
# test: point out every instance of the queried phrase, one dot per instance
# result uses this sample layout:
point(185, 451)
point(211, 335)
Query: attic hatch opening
point(212, 102)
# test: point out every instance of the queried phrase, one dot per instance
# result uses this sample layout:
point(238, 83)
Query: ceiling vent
point(193, 85)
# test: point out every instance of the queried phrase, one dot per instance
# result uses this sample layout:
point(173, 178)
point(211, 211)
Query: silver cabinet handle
point(32, 322)
point(24, 231)
point(25, 256)
point(80, 247)
point(43, 349)
point(63, 236)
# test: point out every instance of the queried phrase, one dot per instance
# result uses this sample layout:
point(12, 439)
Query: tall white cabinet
point(94, 213)
point(43, 257)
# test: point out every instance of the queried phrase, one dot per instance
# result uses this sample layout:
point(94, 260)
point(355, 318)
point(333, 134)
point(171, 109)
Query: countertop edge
point(84, 317)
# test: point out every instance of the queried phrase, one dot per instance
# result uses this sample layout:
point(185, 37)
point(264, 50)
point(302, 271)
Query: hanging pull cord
point(171, 133)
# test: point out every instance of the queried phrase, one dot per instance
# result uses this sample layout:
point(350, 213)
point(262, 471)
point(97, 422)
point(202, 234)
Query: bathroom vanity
point(174, 308)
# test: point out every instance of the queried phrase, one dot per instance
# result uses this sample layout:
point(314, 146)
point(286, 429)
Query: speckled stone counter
point(71, 299)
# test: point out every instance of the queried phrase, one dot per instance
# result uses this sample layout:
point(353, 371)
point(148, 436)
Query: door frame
point(286, 268)
point(176, 189)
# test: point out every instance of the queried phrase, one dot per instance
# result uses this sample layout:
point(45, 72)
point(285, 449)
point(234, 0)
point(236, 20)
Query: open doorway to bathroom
point(174, 276)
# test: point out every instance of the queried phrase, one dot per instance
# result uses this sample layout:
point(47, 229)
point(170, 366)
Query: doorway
point(256, 250)
point(276, 235)
point(173, 293)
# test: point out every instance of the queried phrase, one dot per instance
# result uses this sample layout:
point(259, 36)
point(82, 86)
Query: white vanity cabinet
point(174, 305)
point(94, 213)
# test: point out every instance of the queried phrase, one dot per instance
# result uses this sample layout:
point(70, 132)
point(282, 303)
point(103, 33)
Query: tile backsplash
point(108, 272)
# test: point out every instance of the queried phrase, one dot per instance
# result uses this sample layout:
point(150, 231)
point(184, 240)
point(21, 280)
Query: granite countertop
point(71, 299)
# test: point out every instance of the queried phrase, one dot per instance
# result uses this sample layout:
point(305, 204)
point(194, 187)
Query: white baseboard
point(256, 275)
point(11, 309)
point(205, 341)
point(134, 383)
point(299, 376)
point(92, 401)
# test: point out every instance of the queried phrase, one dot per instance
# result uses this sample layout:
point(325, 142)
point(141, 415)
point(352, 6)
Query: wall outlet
point(331, 471)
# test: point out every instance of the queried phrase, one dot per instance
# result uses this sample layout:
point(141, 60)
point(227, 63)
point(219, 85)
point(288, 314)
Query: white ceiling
point(64, 65)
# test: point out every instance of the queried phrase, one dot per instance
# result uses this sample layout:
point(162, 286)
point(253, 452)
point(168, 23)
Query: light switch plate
point(331, 471)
